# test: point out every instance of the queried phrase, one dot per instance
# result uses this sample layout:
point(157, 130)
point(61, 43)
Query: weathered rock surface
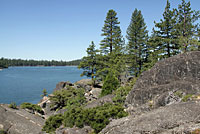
point(62, 85)
point(100, 101)
point(74, 130)
point(20, 121)
point(182, 118)
point(180, 73)
point(164, 100)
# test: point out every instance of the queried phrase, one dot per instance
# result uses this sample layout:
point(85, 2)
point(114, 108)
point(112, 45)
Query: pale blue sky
point(63, 29)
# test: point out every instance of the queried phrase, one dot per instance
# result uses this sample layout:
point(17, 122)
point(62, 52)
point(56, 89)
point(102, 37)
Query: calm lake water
point(25, 84)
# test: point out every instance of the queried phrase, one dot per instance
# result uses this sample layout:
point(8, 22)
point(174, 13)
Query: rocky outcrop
point(100, 101)
point(74, 130)
point(164, 100)
point(178, 74)
point(19, 121)
point(182, 118)
point(62, 85)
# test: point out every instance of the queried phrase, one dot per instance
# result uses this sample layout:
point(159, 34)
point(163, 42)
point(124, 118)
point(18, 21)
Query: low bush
point(68, 98)
point(52, 123)
point(97, 117)
point(12, 105)
point(110, 84)
point(3, 132)
point(33, 107)
point(186, 97)
point(122, 92)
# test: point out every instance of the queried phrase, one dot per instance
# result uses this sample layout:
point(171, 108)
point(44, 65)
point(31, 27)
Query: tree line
point(19, 62)
point(177, 32)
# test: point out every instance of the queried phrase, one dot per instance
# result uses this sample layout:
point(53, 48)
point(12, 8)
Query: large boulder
point(19, 121)
point(170, 77)
point(164, 100)
point(181, 118)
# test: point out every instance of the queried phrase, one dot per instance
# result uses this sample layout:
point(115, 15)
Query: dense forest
point(19, 62)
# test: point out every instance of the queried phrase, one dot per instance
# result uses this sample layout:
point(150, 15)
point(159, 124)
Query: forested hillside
point(19, 62)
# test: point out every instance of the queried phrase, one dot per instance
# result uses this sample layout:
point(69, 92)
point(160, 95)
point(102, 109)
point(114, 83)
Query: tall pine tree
point(137, 36)
point(186, 27)
point(111, 47)
point(165, 33)
point(112, 34)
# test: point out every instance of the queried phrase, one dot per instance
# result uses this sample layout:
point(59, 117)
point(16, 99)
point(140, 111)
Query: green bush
point(33, 107)
point(52, 123)
point(13, 105)
point(122, 92)
point(110, 83)
point(186, 97)
point(68, 98)
point(3, 132)
point(97, 117)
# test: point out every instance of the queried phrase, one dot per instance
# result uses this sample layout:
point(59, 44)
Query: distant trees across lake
point(19, 62)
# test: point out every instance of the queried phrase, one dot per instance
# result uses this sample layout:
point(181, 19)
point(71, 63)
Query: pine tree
point(89, 62)
point(186, 27)
point(112, 46)
point(137, 36)
point(166, 34)
point(112, 34)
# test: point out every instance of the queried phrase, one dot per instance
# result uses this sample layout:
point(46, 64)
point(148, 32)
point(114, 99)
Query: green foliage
point(52, 123)
point(186, 28)
point(68, 98)
point(186, 97)
point(166, 33)
point(137, 36)
point(112, 41)
point(13, 105)
point(33, 107)
point(89, 62)
point(122, 92)
point(3, 132)
point(110, 83)
point(97, 117)
point(44, 93)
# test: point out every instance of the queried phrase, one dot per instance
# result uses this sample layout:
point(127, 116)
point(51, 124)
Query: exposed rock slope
point(19, 121)
point(164, 100)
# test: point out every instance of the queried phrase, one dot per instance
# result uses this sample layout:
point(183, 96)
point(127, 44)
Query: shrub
point(52, 123)
point(186, 97)
point(13, 105)
point(3, 132)
point(68, 98)
point(122, 92)
point(33, 107)
point(44, 93)
point(97, 117)
point(110, 83)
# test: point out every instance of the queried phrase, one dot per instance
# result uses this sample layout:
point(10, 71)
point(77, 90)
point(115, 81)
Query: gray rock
point(74, 130)
point(62, 85)
point(20, 121)
point(181, 118)
point(100, 101)
point(180, 73)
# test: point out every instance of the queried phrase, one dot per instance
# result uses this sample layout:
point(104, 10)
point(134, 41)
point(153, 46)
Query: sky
point(63, 29)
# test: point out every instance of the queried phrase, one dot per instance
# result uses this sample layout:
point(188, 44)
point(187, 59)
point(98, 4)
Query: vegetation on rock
point(68, 98)
point(53, 122)
point(33, 107)
point(12, 105)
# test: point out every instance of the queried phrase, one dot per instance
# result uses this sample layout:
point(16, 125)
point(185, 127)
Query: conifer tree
point(165, 33)
point(186, 27)
point(112, 34)
point(111, 47)
point(137, 36)
point(89, 62)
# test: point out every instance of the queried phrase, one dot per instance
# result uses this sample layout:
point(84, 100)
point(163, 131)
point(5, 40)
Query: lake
point(25, 84)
